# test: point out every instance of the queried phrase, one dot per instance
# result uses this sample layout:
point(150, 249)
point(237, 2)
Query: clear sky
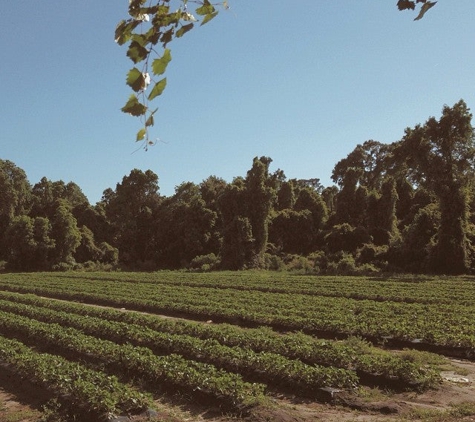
point(302, 82)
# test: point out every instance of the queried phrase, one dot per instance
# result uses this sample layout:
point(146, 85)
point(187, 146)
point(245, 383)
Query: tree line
point(399, 207)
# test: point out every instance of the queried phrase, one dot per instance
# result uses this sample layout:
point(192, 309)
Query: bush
point(301, 265)
point(319, 260)
point(63, 266)
point(273, 262)
point(207, 262)
point(344, 263)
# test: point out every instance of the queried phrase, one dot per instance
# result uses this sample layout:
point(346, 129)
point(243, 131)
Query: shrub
point(207, 262)
point(300, 264)
point(273, 262)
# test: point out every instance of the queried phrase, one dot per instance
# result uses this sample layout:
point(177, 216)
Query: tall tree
point(260, 196)
point(15, 194)
point(130, 209)
point(45, 193)
point(65, 233)
point(236, 248)
point(440, 156)
point(369, 159)
point(29, 243)
point(184, 227)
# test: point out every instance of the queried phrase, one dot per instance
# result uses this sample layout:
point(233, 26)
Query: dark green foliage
point(30, 243)
point(351, 201)
point(237, 231)
point(185, 228)
point(292, 231)
point(259, 199)
point(65, 232)
point(15, 193)
point(130, 210)
point(286, 196)
point(413, 252)
point(344, 237)
point(440, 156)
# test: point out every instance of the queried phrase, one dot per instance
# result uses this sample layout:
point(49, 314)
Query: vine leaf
point(136, 80)
point(206, 9)
point(151, 121)
point(406, 4)
point(141, 134)
point(208, 17)
point(153, 22)
point(160, 65)
point(137, 52)
point(123, 31)
point(134, 107)
point(184, 29)
point(425, 7)
point(158, 89)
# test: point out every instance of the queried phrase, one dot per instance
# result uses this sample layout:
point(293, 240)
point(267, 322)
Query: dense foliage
point(400, 207)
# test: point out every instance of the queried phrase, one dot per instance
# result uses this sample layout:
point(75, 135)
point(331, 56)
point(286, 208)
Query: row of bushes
point(342, 263)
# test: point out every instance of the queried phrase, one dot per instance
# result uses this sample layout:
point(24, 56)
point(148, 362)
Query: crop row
point(452, 290)
point(247, 350)
point(312, 314)
point(80, 387)
point(125, 359)
point(267, 367)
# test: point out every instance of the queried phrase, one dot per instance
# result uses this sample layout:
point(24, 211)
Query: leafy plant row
point(95, 393)
point(312, 314)
point(125, 359)
point(411, 290)
point(173, 336)
point(268, 367)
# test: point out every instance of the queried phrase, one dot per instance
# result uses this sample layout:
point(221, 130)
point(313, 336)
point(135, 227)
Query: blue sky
point(302, 82)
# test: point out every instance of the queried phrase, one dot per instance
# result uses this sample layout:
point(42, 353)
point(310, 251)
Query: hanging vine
point(152, 25)
point(148, 31)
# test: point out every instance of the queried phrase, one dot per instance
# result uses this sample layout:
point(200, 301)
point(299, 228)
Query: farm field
point(252, 346)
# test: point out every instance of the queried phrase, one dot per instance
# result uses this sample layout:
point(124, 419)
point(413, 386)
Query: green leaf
point(184, 29)
point(141, 134)
point(158, 89)
point(208, 18)
point(123, 31)
point(206, 9)
point(151, 121)
point(120, 32)
point(167, 36)
point(134, 107)
point(136, 52)
point(160, 65)
point(136, 79)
